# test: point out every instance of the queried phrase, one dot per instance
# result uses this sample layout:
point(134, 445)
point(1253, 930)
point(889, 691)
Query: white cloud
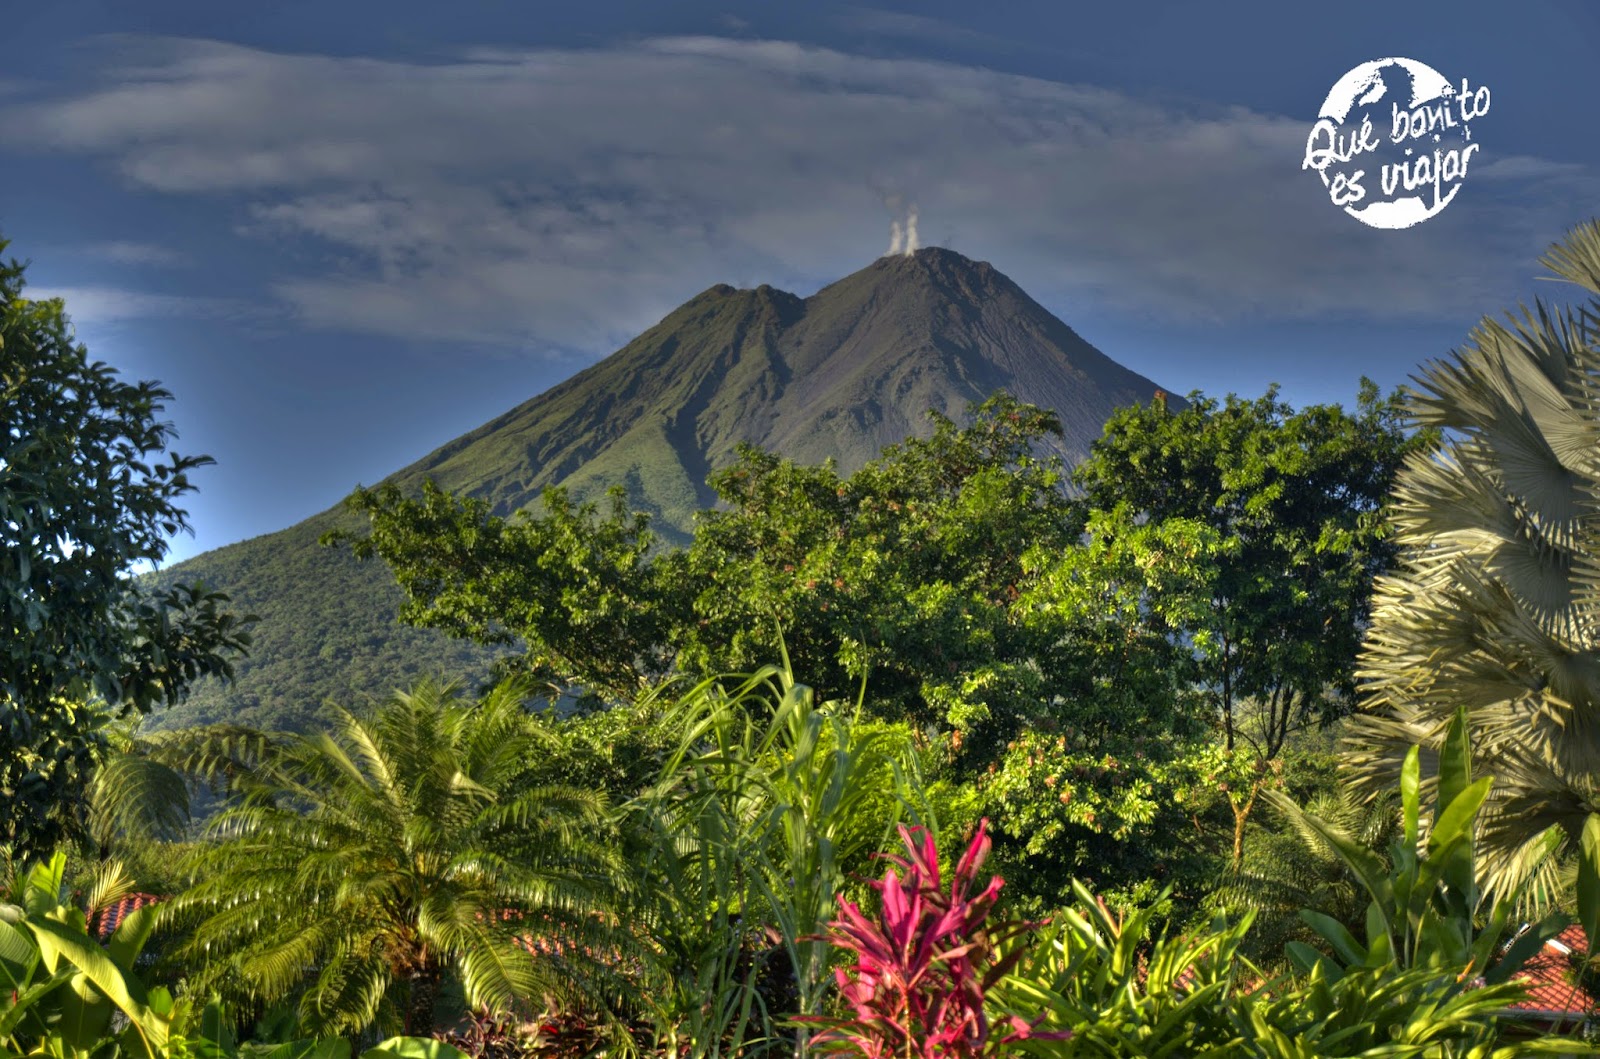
point(574, 196)
point(91, 306)
point(123, 252)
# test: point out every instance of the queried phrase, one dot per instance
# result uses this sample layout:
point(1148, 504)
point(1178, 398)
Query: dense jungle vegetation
point(1262, 732)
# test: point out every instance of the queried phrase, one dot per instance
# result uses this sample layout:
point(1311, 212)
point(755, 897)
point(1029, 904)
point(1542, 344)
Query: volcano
point(840, 375)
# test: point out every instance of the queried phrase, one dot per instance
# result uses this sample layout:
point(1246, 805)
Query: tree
point(1496, 602)
point(1285, 506)
point(909, 570)
point(1008, 623)
point(88, 492)
point(357, 869)
point(908, 573)
point(591, 606)
point(1272, 522)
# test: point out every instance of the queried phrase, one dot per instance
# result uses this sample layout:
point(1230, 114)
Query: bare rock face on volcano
point(840, 374)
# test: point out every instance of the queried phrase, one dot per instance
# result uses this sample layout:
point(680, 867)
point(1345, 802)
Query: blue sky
point(343, 233)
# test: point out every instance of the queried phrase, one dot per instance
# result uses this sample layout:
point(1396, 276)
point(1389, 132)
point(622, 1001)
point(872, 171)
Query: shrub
point(925, 966)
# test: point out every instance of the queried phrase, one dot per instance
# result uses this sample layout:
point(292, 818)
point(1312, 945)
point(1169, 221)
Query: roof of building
point(1552, 980)
point(103, 922)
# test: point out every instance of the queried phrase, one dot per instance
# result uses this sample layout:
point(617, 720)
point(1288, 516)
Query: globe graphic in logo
point(1411, 164)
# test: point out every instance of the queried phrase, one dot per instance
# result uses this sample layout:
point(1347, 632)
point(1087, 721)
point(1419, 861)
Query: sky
point(343, 233)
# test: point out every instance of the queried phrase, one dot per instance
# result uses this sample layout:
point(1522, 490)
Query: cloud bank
point(98, 306)
point(571, 197)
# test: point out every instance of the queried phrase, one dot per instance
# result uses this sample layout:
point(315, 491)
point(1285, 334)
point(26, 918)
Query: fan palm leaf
point(1495, 605)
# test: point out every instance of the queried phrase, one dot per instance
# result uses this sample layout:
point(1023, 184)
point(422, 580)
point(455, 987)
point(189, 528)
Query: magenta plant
point(925, 965)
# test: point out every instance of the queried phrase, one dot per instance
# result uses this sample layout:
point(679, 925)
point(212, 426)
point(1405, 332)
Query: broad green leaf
point(22, 1002)
point(1456, 818)
point(216, 1027)
point(1352, 952)
point(1306, 960)
point(1455, 760)
point(327, 1048)
point(57, 942)
point(1589, 881)
point(1410, 796)
point(19, 955)
point(85, 1013)
point(128, 940)
point(413, 1048)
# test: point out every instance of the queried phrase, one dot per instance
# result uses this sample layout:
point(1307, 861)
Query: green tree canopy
point(1226, 547)
point(910, 570)
point(1286, 509)
point(1216, 564)
point(88, 491)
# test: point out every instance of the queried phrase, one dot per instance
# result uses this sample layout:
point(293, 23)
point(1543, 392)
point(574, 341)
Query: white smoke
point(903, 240)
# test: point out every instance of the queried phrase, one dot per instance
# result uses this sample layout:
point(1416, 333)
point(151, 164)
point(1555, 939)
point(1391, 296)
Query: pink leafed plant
point(925, 965)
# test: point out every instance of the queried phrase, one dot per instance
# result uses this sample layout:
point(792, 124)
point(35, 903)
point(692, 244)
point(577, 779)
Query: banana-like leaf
point(21, 1002)
point(1589, 881)
point(217, 1028)
point(128, 940)
point(19, 955)
point(85, 1013)
point(1344, 943)
point(1307, 960)
point(1455, 761)
point(1459, 814)
point(59, 943)
point(324, 1048)
point(1410, 795)
point(413, 1048)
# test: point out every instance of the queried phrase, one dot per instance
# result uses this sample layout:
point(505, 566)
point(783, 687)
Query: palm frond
point(1495, 605)
point(357, 866)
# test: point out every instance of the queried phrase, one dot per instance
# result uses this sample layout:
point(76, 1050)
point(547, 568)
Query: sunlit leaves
point(88, 493)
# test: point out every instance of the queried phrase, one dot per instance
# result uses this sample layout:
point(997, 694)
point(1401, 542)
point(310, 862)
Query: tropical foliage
point(88, 490)
point(769, 802)
point(59, 989)
point(645, 840)
point(1024, 633)
point(925, 965)
point(356, 868)
point(1285, 508)
point(1497, 598)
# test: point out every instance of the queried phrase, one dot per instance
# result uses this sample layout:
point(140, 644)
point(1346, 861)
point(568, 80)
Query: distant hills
point(840, 374)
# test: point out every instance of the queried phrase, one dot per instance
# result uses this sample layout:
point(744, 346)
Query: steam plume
point(895, 239)
point(911, 231)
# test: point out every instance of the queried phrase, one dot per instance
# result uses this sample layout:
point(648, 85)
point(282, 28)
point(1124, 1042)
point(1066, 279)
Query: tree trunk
point(1241, 816)
point(1227, 695)
point(422, 996)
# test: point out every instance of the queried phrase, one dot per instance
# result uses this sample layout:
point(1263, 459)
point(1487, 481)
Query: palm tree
point(359, 868)
point(1496, 603)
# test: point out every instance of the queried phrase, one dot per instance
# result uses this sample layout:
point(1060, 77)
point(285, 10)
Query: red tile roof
point(1552, 981)
point(103, 921)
